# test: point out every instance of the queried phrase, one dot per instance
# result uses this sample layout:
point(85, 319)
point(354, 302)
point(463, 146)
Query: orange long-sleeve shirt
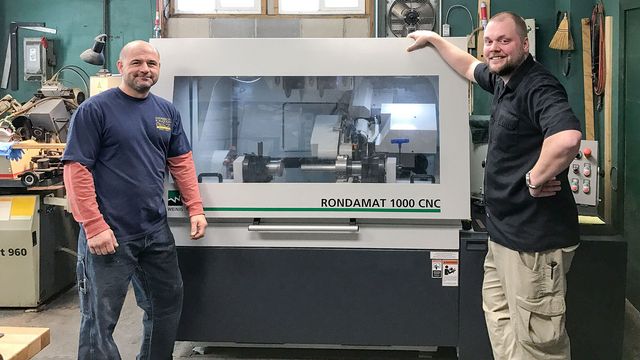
point(81, 192)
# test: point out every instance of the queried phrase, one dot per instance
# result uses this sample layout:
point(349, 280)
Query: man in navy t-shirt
point(119, 146)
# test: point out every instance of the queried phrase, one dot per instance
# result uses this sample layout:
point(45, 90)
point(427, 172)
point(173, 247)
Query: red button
point(574, 185)
point(587, 152)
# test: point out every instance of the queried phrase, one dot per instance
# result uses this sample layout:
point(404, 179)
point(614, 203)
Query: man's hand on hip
point(550, 188)
point(198, 226)
point(104, 243)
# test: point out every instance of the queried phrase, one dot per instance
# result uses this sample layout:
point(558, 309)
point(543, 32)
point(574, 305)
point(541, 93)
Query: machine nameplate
point(14, 252)
point(427, 205)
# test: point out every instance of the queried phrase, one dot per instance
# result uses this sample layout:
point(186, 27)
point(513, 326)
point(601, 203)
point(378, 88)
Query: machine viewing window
point(318, 129)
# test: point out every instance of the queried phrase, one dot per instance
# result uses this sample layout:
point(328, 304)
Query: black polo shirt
point(531, 107)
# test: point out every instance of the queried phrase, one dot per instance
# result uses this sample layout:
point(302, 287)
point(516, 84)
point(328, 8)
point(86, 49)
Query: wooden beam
point(608, 128)
point(589, 126)
point(369, 11)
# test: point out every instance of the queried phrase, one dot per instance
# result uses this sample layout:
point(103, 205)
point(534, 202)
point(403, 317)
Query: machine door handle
point(304, 228)
point(203, 175)
point(425, 177)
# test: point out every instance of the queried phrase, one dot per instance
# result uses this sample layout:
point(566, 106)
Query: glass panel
point(298, 6)
point(238, 3)
point(341, 3)
point(195, 6)
point(313, 129)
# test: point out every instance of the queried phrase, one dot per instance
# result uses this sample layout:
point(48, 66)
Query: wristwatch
point(527, 179)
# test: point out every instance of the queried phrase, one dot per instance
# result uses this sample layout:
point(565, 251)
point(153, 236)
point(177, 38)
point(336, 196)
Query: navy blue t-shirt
point(125, 142)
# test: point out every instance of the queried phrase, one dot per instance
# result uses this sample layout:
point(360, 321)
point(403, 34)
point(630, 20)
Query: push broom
point(562, 38)
point(562, 41)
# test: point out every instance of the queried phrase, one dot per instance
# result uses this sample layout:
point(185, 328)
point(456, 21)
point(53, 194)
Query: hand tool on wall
point(587, 79)
point(563, 41)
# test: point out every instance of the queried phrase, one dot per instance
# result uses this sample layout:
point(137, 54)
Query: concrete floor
point(62, 316)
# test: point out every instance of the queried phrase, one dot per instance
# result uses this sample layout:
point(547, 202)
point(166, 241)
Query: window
point(218, 7)
point(321, 6)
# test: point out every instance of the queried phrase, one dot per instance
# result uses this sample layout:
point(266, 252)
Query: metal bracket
point(57, 201)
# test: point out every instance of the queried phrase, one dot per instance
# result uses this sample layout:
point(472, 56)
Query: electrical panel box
point(38, 56)
point(583, 174)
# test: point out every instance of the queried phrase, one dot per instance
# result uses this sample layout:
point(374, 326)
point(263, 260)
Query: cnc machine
point(334, 175)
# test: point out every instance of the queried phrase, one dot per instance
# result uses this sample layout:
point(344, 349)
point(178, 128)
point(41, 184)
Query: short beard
point(509, 67)
point(141, 88)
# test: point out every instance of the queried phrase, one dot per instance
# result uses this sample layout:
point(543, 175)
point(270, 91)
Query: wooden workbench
point(22, 343)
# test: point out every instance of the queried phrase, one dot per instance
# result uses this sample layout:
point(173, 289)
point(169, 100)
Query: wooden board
point(589, 126)
point(46, 188)
point(22, 343)
point(608, 128)
point(30, 145)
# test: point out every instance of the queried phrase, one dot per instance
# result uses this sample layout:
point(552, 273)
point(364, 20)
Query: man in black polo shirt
point(531, 214)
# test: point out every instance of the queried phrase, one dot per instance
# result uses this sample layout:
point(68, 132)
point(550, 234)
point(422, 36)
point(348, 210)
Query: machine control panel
point(583, 174)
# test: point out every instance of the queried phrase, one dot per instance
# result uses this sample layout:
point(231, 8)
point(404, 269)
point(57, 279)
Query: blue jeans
point(151, 264)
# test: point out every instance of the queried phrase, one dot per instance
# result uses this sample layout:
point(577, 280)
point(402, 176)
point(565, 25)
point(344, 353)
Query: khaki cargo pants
point(524, 303)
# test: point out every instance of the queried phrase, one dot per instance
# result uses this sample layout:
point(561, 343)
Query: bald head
point(518, 21)
point(135, 46)
point(139, 64)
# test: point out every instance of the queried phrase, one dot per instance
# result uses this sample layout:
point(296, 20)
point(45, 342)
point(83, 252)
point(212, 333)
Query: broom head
point(562, 38)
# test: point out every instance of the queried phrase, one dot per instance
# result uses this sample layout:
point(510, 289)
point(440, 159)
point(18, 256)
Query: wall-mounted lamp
point(94, 55)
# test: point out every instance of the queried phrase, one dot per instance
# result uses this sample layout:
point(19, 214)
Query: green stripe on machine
point(323, 209)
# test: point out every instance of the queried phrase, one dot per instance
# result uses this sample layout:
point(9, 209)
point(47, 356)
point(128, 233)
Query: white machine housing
point(344, 59)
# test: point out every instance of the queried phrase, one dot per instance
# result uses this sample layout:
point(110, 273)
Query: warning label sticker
point(450, 270)
point(436, 269)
